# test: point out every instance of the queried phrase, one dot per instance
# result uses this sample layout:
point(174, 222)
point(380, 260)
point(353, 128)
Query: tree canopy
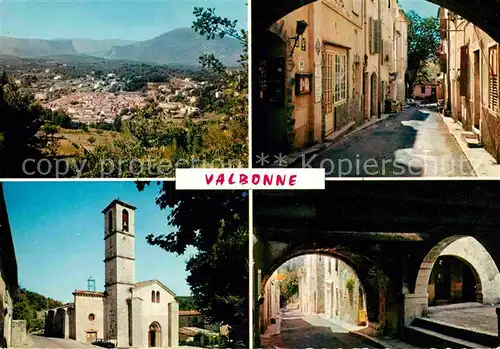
point(26, 306)
point(289, 286)
point(423, 41)
point(215, 223)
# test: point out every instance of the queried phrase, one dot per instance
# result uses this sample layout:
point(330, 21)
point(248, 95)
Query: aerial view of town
point(125, 108)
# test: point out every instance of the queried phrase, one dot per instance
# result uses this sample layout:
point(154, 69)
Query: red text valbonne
point(255, 179)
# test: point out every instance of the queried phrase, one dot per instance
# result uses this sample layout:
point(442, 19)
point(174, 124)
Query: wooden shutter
point(493, 91)
point(464, 70)
point(377, 31)
point(493, 79)
point(371, 39)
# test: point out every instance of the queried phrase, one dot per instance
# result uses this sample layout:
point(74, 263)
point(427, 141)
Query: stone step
point(471, 139)
point(462, 333)
point(430, 339)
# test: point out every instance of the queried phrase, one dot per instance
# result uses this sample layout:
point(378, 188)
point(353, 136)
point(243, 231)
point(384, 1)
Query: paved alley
point(36, 341)
point(412, 143)
point(311, 331)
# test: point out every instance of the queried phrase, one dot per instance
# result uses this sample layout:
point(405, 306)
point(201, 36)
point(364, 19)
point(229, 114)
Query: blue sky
point(106, 19)
point(58, 232)
point(422, 7)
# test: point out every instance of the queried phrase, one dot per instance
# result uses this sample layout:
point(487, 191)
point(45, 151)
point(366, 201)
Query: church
point(128, 313)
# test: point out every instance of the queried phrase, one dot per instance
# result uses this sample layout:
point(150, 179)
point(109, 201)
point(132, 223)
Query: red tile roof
point(189, 312)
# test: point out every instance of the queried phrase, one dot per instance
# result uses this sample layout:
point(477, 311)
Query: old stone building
point(13, 333)
point(329, 286)
point(469, 59)
point(128, 313)
point(270, 311)
point(327, 67)
point(8, 275)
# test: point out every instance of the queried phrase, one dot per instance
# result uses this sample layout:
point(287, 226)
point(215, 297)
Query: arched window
point(153, 300)
point(110, 221)
point(91, 317)
point(157, 296)
point(125, 220)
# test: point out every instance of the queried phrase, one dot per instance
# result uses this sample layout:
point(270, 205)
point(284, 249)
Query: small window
point(157, 296)
point(422, 90)
point(91, 317)
point(125, 220)
point(153, 298)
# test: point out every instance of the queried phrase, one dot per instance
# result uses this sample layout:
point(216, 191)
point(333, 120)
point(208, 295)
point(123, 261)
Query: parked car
point(103, 343)
point(411, 102)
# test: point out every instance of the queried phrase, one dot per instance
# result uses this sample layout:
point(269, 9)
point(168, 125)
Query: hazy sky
point(58, 232)
point(106, 19)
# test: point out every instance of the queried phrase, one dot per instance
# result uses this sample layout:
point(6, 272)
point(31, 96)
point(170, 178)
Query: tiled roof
point(88, 293)
point(189, 312)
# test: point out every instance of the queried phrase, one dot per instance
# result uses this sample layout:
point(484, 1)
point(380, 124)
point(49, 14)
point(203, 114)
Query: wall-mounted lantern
point(300, 29)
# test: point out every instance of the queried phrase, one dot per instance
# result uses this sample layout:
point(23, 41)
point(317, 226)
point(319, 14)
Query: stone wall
point(19, 334)
point(85, 306)
point(490, 133)
point(6, 307)
point(165, 314)
point(8, 274)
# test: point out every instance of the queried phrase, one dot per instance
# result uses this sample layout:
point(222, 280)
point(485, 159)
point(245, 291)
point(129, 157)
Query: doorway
point(328, 91)
point(154, 335)
point(91, 337)
point(443, 281)
point(477, 91)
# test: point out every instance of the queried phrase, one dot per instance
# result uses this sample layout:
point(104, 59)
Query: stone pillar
point(416, 305)
point(138, 332)
point(19, 334)
point(66, 324)
point(175, 325)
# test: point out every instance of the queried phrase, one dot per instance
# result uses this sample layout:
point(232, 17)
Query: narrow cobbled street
point(412, 143)
point(312, 331)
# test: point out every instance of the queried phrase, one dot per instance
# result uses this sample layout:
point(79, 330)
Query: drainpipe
point(379, 109)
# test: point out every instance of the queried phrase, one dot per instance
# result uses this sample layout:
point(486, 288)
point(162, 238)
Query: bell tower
point(119, 241)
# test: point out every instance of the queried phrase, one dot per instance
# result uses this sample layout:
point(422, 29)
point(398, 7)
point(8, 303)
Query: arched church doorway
point(154, 335)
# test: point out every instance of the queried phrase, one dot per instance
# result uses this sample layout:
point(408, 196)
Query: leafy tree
point(186, 303)
point(21, 117)
point(423, 40)
point(289, 286)
point(50, 130)
point(117, 123)
point(216, 225)
point(234, 83)
point(26, 305)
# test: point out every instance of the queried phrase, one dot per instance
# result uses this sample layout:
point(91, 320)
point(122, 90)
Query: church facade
point(128, 313)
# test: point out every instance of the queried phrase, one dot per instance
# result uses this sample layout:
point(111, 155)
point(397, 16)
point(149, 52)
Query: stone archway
point(373, 280)
point(154, 335)
point(470, 251)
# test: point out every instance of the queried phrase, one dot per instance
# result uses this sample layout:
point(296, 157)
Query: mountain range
point(179, 46)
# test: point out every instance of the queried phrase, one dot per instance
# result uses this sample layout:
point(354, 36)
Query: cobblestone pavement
point(412, 143)
point(311, 331)
point(483, 318)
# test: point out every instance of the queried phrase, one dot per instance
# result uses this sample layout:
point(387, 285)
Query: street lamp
point(300, 29)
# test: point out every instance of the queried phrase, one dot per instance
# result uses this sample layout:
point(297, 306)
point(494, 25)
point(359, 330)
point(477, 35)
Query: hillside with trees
point(27, 304)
